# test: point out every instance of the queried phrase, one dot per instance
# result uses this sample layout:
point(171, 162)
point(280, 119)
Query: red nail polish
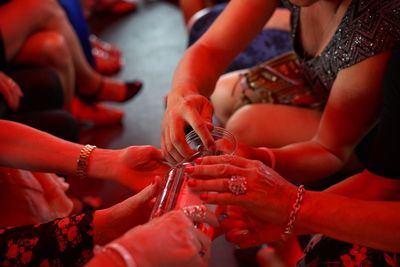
point(203, 196)
point(198, 160)
point(189, 169)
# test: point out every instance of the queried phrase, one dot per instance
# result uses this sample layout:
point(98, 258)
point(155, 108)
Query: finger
point(226, 159)
point(8, 96)
point(147, 193)
point(200, 214)
point(217, 185)
point(205, 243)
point(223, 198)
point(200, 126)
point(199, 115)
point(168, 158)
point(174, 142)
point(15, 87)
point(64, 185)
point(249, 240)
point(215, 171)
point(237, 235)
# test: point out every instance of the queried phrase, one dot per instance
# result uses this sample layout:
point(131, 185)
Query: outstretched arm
point(200, 67)
point(24, 147)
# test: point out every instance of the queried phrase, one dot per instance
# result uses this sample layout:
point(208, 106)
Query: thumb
point(149, 192)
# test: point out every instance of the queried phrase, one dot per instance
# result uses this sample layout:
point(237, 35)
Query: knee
point(225, 98)
point(52, 11)
point(240, 125)
point(54, 50)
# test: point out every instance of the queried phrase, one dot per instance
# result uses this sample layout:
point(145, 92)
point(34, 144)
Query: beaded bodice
point(369, 27)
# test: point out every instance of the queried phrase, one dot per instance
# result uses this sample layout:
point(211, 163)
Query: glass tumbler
point(175, 193)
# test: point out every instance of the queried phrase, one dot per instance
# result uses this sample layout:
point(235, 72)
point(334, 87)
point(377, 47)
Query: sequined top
point(369, 27)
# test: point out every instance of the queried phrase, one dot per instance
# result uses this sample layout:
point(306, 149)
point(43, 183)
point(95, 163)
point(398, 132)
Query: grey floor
point(152, 40)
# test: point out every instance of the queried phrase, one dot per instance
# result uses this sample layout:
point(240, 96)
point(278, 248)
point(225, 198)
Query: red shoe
point(124, 7)
point(132, 89)
point(119, 7)
point(105, 63)
point(95, 114)
point(102, 45)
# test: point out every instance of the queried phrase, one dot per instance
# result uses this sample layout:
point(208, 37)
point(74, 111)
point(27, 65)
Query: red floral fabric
point(62, 242)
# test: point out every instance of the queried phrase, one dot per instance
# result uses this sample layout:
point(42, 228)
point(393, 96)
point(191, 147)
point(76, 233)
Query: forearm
point(198, 71)
point(306, 162)
point(367, 186)
point(27, 148)
point(208, 58)
point(345, 219)
point(24, 147)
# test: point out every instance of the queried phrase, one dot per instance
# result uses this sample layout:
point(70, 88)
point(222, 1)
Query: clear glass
point(176, 194)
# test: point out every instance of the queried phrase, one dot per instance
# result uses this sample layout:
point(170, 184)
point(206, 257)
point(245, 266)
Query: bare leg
point(49, 49)
point(226, 95)
point(24, 17)
point(273, 125)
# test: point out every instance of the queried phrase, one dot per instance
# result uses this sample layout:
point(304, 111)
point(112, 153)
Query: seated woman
point(42, 41)
point(122, 228)
point(345, 71)
point(362, 222)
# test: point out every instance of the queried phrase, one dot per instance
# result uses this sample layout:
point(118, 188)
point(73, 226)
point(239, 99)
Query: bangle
point(82, 162)
point(271, 155)
point(292, 217)
point(120, 250)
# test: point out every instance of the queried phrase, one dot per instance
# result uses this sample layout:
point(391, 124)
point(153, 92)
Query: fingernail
point(189, 169)
point(198, 160)
point(203, 196)
point(191, 182)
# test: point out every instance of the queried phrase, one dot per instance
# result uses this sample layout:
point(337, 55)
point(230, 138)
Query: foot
point(118, 7)
point(102, 45)
point(106, 63)
point(95, 114)
point(111, 90)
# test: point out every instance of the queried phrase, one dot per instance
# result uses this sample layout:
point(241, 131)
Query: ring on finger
point(237, 185)
point(195, 212)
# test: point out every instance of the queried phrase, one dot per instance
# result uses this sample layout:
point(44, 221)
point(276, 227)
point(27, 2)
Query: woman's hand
point(193, 110)
point(243, 229)
point(111, 223)
point(10, 91)
point(267, 196)
point(139, 166)
point(168, 241)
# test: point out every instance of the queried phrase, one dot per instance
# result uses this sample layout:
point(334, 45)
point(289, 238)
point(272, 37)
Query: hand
point(168, 241)
point(193, 110)
point(140, 165)
point(10, 91)
point(241, 228)
point(111, 223)
point(268, 197)
point(256, 153)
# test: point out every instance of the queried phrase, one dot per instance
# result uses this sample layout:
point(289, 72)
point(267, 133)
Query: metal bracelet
point(82, 162)
point(292, 217)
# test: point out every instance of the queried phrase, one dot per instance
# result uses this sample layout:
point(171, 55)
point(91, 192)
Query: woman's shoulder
point(369, 28)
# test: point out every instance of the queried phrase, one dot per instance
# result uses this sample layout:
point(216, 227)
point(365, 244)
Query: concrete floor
point(152, 40)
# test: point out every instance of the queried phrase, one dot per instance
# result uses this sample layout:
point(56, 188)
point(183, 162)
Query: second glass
point(176, 194)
